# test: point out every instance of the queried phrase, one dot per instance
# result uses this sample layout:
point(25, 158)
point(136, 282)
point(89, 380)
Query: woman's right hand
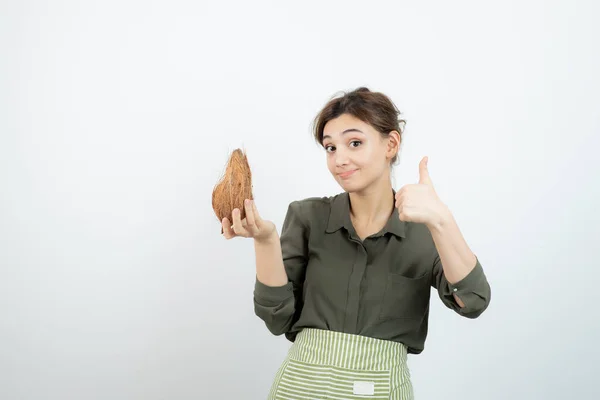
point(253, 226)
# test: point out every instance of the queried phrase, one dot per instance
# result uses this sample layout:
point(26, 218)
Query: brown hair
point(374, 108)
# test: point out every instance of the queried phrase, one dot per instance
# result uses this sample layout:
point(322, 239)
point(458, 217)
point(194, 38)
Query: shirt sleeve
point(280, 306)
point(473, 290)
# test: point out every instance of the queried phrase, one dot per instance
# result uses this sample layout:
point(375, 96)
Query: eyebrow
point(346, 131)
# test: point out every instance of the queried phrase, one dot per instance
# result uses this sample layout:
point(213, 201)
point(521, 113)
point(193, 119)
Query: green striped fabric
point(333, 365)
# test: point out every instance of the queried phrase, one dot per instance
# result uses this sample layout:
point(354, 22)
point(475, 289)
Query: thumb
point(257, 217)
point(424, 172)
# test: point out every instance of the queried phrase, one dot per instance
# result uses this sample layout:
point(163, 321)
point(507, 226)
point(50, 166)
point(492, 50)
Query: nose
point(341, 158)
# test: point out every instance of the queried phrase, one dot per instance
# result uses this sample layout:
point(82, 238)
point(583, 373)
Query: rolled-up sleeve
point(473, 290)
point(280, 306)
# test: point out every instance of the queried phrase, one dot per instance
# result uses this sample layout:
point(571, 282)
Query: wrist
point(442, 217)
point(267, 240)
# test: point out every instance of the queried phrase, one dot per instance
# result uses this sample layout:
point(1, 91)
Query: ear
point(393, 144)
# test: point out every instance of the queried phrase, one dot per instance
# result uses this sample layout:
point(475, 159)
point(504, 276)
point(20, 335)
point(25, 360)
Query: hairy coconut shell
point(233, 188)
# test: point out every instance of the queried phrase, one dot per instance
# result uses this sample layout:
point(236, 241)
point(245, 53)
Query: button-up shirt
point(378, 287)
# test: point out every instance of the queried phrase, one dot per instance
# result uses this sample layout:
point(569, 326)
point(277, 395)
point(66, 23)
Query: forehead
point(337, 126)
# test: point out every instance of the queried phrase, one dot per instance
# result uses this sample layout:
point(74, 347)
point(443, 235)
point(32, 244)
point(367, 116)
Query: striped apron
point(325, 364)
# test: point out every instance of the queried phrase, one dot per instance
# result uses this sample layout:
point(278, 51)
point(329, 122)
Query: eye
point(329, 148)
point(355, 143)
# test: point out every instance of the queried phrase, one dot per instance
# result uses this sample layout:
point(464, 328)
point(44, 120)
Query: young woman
point(349, 280)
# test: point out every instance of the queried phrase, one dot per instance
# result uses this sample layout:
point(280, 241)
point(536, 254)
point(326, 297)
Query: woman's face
point(357, 155)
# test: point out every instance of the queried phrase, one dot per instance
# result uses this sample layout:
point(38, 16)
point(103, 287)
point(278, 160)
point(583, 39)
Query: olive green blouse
point(379, 287)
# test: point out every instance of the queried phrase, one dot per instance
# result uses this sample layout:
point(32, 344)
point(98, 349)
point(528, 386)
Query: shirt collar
point(339, 217)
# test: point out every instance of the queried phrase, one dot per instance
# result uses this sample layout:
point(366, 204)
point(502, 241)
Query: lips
point(346, 174)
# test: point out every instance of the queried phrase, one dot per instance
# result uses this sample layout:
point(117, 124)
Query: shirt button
point(455, 290)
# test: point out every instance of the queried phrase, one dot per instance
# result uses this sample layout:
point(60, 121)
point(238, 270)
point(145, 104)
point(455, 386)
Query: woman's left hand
point(419, 202)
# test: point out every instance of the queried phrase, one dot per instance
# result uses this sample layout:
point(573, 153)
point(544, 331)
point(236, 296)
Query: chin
point(350, 186)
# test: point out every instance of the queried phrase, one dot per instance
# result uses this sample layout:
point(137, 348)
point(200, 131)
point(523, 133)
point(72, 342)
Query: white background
point(117, 117)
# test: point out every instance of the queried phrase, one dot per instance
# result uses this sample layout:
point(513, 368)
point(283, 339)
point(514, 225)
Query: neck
point(373, 204)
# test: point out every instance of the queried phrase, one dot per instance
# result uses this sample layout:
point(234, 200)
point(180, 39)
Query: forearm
point(455, 255)
point(269, 262)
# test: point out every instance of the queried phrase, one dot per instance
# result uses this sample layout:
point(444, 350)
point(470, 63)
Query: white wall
point(116, 119)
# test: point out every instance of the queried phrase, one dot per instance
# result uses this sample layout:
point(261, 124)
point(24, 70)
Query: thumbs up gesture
point(419, 202)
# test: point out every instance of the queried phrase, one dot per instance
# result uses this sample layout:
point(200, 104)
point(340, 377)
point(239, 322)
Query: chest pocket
point(405, 297)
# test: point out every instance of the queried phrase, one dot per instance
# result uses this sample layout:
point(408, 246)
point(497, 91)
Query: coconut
point(233, 188)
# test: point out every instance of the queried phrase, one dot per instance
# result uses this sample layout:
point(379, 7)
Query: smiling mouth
point(346, 174)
